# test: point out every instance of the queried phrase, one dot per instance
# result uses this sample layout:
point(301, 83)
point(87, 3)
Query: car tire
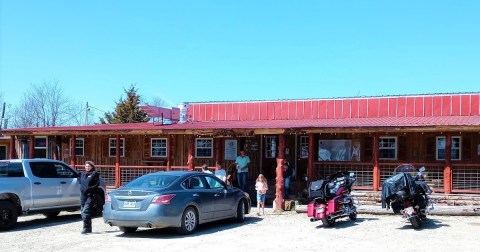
point(52, 214)
point(189, 221)
point(8, 215)
point(240, 212)
point(128, 230)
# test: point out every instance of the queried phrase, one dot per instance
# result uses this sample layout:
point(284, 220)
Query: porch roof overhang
point(343, 125)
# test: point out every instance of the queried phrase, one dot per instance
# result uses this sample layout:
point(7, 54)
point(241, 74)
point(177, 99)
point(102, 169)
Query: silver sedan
point(179, 199)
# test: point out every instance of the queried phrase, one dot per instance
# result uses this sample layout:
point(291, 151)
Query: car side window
point(63, 171)
point(44, 170)
point(195, 183)
point(11, 170)
point(214, 182)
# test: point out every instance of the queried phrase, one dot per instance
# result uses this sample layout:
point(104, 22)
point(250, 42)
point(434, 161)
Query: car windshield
point(152, 181)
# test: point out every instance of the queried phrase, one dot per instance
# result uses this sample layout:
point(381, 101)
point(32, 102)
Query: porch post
point(279, 173)
point(217, 150)
point(12, 152)
point(55, 152)
point(118, 181)
point(32, 146)
point(447, 171)
point(191, 157)
point(169, 152)
point(376, 163)
point(311, 159)
point(73, 153)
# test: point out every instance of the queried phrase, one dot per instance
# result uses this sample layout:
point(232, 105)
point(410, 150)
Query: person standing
point(220, 172)
point(261, 187)
point(205, 169)
point(89, 183)
point(242, 162)
point(287, 177)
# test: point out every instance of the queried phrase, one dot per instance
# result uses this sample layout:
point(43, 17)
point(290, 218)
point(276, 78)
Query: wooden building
point(367, 135)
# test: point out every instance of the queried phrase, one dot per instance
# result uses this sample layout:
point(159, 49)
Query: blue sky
point(199, 50)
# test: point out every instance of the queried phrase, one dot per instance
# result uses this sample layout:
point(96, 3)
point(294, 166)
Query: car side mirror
point(422, 169)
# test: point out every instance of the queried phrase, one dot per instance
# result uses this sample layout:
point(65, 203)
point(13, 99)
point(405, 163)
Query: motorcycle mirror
point(422, 169)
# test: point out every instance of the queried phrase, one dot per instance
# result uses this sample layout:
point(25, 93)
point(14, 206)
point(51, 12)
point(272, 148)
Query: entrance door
point(3, 152)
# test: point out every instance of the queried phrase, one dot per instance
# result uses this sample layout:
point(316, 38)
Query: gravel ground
point(282, 232)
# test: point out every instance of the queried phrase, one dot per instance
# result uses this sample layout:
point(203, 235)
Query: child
point(261, 187)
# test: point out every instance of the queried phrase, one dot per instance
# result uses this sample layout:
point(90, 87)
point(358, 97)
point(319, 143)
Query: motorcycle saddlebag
point(311, 209)
point(316, 190)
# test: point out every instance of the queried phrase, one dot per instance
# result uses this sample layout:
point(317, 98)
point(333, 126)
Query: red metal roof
point(433, 121)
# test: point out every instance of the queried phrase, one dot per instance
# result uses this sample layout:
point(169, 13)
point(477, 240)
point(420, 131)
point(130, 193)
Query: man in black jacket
point(89, 183)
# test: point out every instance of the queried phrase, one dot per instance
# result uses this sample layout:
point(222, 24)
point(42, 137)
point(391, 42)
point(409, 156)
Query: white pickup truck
point(44, 186)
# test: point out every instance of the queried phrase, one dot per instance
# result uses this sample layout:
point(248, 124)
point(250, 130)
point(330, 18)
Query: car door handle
point(37, 183)
point(196, 195)
point(63, 182)
point(217, 195)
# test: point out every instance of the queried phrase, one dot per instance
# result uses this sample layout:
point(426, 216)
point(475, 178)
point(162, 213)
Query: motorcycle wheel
point(416, 223)
point(328, 223)
point(352, 216)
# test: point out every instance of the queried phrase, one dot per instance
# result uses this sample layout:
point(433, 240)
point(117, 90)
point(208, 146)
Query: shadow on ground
point(208, 228)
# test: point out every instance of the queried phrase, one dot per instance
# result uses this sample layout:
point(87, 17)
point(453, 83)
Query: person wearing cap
point(205, 169)
point(89, 182)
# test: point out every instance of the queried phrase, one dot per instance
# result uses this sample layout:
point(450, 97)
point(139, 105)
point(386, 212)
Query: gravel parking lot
point(285, 231)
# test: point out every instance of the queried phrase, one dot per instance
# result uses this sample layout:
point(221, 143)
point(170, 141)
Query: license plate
point(409, 210)
point(129, 204)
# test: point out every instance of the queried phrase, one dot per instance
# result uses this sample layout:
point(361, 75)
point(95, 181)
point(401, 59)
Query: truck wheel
point(8, 215)
point(51, 214)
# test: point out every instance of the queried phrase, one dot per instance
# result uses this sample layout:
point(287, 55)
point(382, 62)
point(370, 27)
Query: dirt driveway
point(288, 231)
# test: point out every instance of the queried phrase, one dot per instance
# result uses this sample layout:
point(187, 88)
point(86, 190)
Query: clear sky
point(202, 50)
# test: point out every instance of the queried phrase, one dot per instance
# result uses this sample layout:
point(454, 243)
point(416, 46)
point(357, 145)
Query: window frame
point(155, 147)
point(380, 148)
point(453, 148)
point(270, 148)
point(74, 149)
point(122, 147)
point(44, 148)
point(303, 142)
point(197, 148)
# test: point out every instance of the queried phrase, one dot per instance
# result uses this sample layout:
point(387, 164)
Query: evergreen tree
point(128, 110)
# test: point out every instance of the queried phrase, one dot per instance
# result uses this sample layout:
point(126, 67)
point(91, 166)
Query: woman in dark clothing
point(89, 183)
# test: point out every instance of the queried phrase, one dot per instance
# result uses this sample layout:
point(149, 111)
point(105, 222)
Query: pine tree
point(128, 110)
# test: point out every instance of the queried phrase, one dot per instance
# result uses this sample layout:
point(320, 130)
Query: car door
point(223, 202)
point(69, 186)
point(46, 191)
point(202, 196)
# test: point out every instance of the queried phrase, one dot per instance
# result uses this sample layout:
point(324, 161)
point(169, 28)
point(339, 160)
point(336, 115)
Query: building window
point(303, 146)
point(112, 147)
point(456, 148)
point(204, 147)
point(159, 147)
point(79, 147)
point(388, 148)
point(40, 147)
point(270, 147)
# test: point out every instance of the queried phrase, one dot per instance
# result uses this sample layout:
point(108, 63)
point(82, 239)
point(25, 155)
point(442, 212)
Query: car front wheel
point(240, 212)
point(189, 221)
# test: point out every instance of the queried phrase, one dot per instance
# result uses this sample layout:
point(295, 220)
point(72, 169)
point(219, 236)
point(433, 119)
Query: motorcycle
point(330, 199)
point(407, 194)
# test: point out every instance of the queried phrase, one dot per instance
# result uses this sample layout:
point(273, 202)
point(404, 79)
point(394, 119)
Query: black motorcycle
point(407, 193)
